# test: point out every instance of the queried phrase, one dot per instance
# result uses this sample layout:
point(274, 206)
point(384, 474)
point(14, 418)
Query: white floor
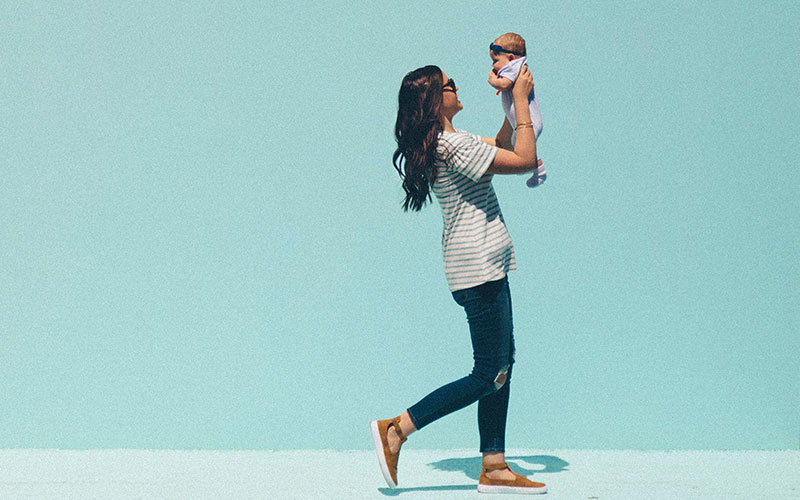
point(428, 474)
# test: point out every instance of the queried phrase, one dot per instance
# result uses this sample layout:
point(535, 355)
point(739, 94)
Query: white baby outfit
point(511, 71)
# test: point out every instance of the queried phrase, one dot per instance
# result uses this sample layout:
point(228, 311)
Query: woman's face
point(450, 103)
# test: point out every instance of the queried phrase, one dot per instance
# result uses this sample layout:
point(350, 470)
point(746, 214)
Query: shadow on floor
point(528, 466)
point(389, 492)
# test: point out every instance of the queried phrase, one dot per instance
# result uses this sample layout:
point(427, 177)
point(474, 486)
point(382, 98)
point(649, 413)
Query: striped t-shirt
point(475, 242)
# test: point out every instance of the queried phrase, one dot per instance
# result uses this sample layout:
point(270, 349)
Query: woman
point(458, 167)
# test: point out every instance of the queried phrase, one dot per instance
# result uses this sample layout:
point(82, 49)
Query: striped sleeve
point(470, 156)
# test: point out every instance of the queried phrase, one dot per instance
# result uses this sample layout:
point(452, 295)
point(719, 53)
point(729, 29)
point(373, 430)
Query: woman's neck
point(447, 126)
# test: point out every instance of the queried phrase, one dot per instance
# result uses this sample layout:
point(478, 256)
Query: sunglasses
point(450, 86)
point(498, 49)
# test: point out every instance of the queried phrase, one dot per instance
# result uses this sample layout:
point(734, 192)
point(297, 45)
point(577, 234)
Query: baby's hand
point(499, 82)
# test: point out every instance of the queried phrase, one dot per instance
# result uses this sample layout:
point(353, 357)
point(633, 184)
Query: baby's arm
point(499, 82)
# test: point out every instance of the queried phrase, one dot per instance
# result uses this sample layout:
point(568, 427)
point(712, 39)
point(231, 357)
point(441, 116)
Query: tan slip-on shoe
point(519, 485)
point(386, 459)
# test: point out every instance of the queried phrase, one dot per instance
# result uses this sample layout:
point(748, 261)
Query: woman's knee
point(495, 378)
point(501, 378)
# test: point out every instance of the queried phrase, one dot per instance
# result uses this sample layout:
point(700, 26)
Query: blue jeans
point(488, 308)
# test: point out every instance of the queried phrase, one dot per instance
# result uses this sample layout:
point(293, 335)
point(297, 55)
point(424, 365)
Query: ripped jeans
point(488, 308)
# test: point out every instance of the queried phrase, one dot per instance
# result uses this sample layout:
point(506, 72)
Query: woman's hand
point(523, 85)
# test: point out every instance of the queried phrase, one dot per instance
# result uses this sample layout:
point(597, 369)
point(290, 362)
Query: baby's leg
point(538, 177)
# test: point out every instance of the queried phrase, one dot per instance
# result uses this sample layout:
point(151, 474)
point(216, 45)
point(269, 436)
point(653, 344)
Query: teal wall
point(201, 241)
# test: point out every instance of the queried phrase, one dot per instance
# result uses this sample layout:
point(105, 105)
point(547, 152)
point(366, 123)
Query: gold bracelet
point(524, 125)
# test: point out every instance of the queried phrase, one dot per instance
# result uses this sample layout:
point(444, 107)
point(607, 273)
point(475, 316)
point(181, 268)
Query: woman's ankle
point(494, 459)
point(406, 424)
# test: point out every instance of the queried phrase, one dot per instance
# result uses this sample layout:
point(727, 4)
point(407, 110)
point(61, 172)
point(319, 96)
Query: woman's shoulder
point(456, 131)
point(449, 142)
point(459, 136)
point(464, 153)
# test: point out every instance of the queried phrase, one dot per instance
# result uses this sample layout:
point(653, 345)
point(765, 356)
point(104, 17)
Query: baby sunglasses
point(498, 49)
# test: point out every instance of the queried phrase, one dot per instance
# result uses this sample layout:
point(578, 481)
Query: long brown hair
point(417, 131)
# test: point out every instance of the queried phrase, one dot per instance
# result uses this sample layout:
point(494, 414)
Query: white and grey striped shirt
point(475, 242)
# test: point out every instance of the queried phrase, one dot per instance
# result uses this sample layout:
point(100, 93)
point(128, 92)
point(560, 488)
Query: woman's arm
point(503, 139)
point(523, 158)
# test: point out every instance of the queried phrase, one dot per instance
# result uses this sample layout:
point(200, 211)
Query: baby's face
point(499, 60)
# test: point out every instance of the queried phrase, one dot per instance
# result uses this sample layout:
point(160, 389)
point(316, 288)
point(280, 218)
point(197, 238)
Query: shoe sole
point(376, 438)
point(523, 490)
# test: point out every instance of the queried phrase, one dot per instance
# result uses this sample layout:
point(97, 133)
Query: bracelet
point(524, 125)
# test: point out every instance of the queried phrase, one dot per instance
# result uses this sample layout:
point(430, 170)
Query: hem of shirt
point(471, 285)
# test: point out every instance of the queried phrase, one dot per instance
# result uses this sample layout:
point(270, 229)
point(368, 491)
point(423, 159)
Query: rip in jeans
point(500, 380)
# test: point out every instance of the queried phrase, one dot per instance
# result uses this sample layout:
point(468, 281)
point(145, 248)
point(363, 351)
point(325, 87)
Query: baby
point(508, 56)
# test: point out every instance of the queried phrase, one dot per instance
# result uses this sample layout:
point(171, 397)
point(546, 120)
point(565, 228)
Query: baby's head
point(505, 49)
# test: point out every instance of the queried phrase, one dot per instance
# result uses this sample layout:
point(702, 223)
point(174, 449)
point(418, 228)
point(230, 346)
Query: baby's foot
point(538, 177)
